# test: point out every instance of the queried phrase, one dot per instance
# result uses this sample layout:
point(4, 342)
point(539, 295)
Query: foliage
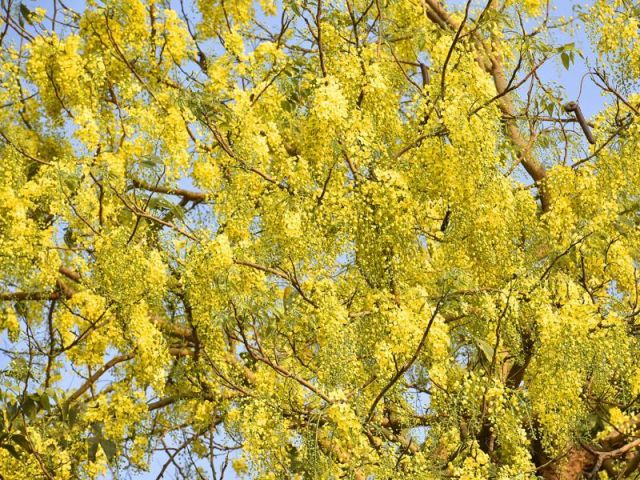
point(306, 239)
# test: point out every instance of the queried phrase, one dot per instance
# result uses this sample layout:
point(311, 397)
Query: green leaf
point(21, 441)
point(486, 348)
point(160, 203)
point(125, 216)
point(550, 108)
point(147, 162)
point(96, 428)
point(12, 410)
point(44, 401)
point(178, 211)
point(72, 183)
point(566, 60)
point(109, 448)
point(29, 407)
point(592, 423)
point(295, 8)
point(25, 14)
point(12, 451)
point(93, 449)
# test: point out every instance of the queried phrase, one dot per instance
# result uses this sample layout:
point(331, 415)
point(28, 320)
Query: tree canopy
point(359, 239)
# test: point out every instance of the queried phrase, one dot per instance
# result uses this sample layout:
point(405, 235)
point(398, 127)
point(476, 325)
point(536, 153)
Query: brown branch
point(273, 271)
point(609, 88)
point(283, 274)
point(510, 88)
point(258, 354)
point(188, 194)
point(21, 151)
point(491, 63)
point(319, 37)
point(141, 213)
point(174, 330)
point(617, 132)
point(20, 296)
point(452, 48)
point(176, 352)
point(96, 376)
point(602, 457)
point(70, 274)
point(406, 366)
point(573, 107)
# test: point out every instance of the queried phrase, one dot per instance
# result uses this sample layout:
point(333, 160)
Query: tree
point(306, 239)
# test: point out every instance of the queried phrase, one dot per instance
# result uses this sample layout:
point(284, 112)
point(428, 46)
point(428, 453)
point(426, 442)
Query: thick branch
point(492, 65)
point(187, 194)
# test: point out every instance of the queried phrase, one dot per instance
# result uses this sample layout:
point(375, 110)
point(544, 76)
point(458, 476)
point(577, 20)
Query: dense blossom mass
point(318, 239)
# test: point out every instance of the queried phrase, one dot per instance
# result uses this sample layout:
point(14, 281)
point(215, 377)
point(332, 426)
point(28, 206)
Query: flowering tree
point(302, 239)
